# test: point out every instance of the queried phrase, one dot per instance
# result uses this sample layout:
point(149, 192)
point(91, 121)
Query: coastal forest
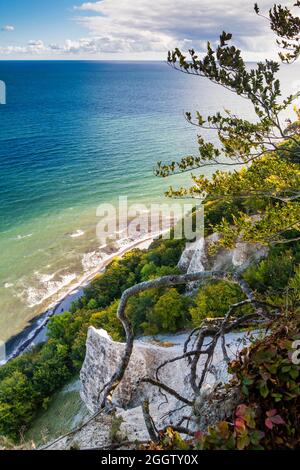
point(255, 200)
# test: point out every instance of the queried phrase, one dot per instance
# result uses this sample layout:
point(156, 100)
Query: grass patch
point(65, 411)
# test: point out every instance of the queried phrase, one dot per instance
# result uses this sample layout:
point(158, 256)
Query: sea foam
point(78, 233)
point(46, 288)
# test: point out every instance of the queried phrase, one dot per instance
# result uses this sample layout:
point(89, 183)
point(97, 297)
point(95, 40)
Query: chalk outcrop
point(103, 356)
point(196, 257)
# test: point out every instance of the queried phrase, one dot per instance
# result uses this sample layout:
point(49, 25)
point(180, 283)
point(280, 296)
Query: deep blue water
point(72, 130)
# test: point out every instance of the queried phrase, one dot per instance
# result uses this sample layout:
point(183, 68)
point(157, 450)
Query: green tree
point(268, 147)
point(16, 404)
point(169, 313)
point(214, 300)
point(139, 309)
point(148, 271)
point(108, 320)
point(52, 369)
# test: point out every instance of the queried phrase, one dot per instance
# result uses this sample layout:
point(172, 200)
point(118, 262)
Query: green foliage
point(169, 313)
point(139, 309)
point(165, 252)
point(258, 201)
point(268, 150)
point(108, 320)
point(216, 211)
point(16, 405)
point(286, 25)
point(158, 310)
point(151, 271)
point(52, 369)
point(148, 271)
point(60, 328)
point(214, 300)
point(276, 278)
point(26, 383)
point(107, 287)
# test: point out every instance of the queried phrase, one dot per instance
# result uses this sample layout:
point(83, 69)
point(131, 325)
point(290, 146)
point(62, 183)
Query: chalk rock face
point(195, 257)
point(103, 356)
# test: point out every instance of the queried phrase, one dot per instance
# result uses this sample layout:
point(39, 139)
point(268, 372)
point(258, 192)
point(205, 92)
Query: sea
point(77, 134)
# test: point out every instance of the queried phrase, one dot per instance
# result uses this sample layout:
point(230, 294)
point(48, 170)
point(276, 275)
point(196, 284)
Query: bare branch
point(167, 389)
point(149, 421)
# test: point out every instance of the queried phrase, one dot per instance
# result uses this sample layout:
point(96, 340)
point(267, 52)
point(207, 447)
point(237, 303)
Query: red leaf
point(273, 418)
point(277, 420)
point(268, 423)
point(240, 424)
point(271, 413)
point(241, 410)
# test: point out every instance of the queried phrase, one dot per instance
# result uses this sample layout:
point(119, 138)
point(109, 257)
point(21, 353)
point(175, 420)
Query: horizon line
point(100, 60)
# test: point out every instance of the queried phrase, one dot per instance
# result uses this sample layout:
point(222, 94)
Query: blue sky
point(51, 20)
point(127, 29)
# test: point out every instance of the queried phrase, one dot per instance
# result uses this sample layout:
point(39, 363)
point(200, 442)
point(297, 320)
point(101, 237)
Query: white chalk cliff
point(103, 356)
point(196, 258)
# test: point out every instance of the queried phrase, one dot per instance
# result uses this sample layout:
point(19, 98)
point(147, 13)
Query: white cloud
point(38, 43)
point(32, 47)
point(8, 28)
point(145, 25)
point(135, 28)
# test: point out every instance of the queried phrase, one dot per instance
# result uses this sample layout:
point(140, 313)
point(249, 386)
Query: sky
point(128, 29)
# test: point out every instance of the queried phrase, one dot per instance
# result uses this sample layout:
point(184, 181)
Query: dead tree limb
point(166, 281)
point(149, 422)
point(167, 389)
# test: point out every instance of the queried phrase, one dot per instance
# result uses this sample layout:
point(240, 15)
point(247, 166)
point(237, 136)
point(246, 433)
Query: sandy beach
point(76, 292)
point(37, 332)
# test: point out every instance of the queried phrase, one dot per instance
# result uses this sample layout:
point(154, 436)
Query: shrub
point(139, 308)
point(16, 404)
point(272, 274)
point(108, 320)
point(214, 300)
point(169, 313)
point(148, 271)
point(269, 383)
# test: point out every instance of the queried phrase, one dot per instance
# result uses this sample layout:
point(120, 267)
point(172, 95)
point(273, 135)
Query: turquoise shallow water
point(74, 135)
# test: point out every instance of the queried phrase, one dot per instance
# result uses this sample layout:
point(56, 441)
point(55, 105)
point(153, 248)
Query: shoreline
point(36, 332)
